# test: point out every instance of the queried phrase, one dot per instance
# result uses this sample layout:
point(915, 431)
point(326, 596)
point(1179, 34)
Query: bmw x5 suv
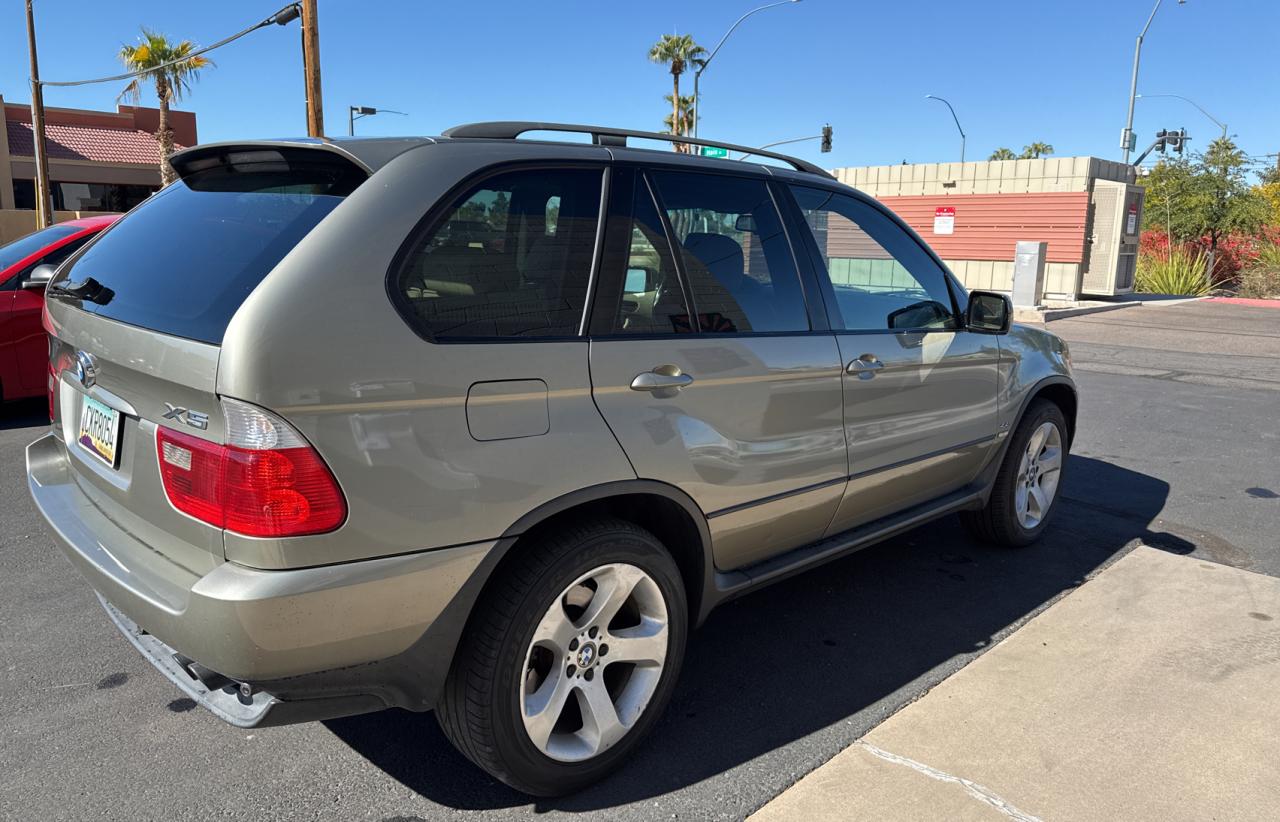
point(485, 425)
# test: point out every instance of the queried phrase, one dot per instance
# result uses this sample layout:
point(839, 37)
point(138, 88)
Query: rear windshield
point(24, 247)
point(184, 261)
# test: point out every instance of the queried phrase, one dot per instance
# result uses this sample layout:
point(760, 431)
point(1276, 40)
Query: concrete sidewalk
point(1149, 693)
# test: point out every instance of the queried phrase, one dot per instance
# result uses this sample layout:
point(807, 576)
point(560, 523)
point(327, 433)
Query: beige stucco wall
point(991, 177)
point(1061, 280)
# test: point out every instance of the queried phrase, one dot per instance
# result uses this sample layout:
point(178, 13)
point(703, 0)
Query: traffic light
point(1180, 139)
point(826, 139)
point(1162, 138)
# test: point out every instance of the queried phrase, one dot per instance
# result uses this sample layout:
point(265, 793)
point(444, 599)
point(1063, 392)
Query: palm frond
point(150, 56)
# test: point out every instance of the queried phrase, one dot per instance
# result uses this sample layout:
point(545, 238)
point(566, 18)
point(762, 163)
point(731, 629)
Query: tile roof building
point(98, 160)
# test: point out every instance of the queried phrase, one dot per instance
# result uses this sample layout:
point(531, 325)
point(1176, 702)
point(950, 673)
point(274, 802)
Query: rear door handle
point(665, 380)
point(865, 367)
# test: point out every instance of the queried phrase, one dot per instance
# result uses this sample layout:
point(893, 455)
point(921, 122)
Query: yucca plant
point(1180, 271)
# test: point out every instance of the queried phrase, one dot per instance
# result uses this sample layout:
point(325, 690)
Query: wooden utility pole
point(310, 67)
point(44, 206)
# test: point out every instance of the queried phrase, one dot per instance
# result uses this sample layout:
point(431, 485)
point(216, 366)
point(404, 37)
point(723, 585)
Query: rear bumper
point(309, 634)
point(249, 710)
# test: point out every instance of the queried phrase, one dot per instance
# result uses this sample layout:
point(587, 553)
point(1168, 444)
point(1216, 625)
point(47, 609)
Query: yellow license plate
point(99, 430)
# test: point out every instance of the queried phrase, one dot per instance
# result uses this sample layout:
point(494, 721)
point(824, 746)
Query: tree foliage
point(679, 53)
point(151, 57)
point(1003, 153)
point(1206, 195)
point(1035, 151)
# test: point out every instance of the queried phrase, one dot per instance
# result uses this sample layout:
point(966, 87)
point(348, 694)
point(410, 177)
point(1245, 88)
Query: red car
point(24, 352)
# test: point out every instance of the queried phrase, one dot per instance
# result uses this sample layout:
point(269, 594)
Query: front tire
point(1026, 488)
point(570, 657)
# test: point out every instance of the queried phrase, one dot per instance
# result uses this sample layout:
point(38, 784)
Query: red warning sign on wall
point(944, 220)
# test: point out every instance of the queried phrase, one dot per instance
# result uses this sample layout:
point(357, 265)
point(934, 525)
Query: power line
point(286, 15)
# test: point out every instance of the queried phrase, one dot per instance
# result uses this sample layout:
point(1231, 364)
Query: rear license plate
point(99, 430)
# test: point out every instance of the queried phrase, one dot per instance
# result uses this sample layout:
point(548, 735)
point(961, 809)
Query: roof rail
point(604, 136)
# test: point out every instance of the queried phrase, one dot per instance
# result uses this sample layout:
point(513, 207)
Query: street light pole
point(356, 112)
point(1215, 120)
point(697, 74)
point(953, 117)
point(1126, 137)
point(44, 203)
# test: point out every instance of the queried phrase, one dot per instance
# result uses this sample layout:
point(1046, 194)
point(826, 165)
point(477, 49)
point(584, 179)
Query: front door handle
point(865, 367)
point(663, 381)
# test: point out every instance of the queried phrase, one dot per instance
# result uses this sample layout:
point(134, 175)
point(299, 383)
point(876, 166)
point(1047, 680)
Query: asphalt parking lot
point(1179, 448)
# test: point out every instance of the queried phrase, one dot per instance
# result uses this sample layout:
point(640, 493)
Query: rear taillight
point(264, 481)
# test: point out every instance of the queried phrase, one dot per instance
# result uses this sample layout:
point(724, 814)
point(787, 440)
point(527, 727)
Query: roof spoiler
point(262, 155)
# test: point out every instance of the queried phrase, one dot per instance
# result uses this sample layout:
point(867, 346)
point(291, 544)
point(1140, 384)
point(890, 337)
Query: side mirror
point(39, 276)
point(639, 281)
point(989, 313)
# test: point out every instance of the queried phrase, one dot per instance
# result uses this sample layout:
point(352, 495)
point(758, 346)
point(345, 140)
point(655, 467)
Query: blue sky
point(1051, 70)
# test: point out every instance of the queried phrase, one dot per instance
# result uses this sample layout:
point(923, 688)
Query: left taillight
point(265, 480)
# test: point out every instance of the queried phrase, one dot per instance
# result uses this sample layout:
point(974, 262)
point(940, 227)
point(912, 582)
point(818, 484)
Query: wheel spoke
point(613, 589)
point(646, 642)
point(1051, 460)
point(1038, 500)
point(1020, 501)
point(543, 709)
point(601, 727)
point(1037, 442)
point(555, 630)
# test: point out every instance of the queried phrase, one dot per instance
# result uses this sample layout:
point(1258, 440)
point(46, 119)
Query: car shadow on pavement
point(23, 413)
point(819, 648)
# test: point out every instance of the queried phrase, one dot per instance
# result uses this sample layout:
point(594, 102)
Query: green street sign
point(714, 151)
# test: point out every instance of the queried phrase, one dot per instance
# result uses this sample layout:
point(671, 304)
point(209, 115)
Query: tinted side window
point(649, 300)
point(883, 280)
point(735, 253)
point(511, 258)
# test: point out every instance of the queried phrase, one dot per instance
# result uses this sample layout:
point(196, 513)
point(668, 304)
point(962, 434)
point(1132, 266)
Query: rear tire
point(1025, 493)
point(563, 668)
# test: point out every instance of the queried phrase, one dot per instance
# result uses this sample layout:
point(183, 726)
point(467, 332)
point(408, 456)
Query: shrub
point(1261, 280)
point(1179, 271)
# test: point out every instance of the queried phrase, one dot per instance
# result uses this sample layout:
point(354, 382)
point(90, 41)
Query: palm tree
point(172, 81)
point(685, 109)
point(1035, 151)
point(1003, 153)
point(678, 51)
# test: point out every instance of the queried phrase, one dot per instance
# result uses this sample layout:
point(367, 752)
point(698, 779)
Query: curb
point(1044, 315)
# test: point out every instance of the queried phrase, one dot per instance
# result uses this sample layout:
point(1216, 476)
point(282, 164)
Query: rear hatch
point(137, 322)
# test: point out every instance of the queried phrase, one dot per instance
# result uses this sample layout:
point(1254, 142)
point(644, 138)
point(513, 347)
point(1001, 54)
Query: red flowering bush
point(1235, 252)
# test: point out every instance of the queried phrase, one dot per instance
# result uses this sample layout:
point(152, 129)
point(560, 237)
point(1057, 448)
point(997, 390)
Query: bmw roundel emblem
point(86, 369)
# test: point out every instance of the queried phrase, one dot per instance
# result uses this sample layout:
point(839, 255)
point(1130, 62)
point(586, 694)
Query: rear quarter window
point(510, 257)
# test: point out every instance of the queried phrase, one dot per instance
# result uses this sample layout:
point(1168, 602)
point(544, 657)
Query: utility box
point(1028, 273)
point(1111, 260)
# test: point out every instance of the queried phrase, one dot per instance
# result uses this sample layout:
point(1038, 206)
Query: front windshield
point(24, 247)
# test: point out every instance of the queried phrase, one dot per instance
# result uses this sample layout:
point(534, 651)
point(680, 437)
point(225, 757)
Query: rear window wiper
point(90, 290)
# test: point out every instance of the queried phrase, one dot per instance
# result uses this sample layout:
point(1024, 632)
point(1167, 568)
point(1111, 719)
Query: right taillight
point(264, 481)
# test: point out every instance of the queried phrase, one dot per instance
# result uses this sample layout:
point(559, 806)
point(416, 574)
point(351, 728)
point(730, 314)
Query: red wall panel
point(988, 226)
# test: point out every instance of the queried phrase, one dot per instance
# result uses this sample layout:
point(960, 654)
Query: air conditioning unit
point(1114, 227)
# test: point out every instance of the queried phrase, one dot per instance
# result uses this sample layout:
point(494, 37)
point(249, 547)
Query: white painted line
point(973, 788)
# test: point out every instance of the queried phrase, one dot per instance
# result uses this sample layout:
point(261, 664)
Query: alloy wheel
point(1038, 475)
point(594, 663)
